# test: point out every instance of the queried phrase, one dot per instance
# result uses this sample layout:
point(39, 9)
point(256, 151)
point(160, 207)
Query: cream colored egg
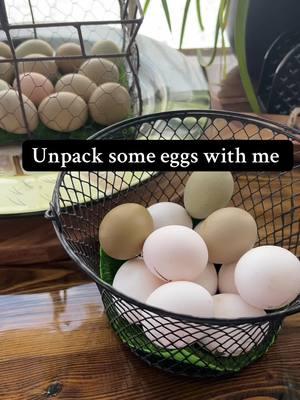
point(78, 84)
point(5, 50)
point(228, 233)
point(4, 85)
point(110, 103)
point(268, 277)
point(206, 192)
point(107, 47)
point(236, 339)
point(136, 281)
point(180, 297)
point(34, 46)
point(63, 112)
point(208, 279)
point(6, 71)
point(67, 50)
point(168, 213)
point(226, 280)
point(175, 253)
point(47, 68)
point(35, 86)
point(100, 70)
point(11, 116)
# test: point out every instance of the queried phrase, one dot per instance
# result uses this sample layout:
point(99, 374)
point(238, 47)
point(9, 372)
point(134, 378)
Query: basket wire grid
point(181, 344)
point(70, 21)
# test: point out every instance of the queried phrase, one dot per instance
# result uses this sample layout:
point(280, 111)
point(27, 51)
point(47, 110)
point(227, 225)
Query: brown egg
point(124, 229)
point(100, 70)
point(228, 233)
point(47, 68)
point(69, 49)
point(6, 71)
point(34, 46)
point(5, 50)
point(11, 116)
point(109, 103)
point(35, 86)
point(78, 84)
point(63, 112)
point(107, 47)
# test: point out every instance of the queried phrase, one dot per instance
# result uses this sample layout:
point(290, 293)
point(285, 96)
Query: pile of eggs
point(61, 93)
point(171, 265)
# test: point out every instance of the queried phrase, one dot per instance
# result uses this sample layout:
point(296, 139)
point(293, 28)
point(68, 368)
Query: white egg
point(180, 297)
point(268, 277)
point(234, 340)
point(136, 281)
point(168, 213)
point(175, 253)
point(226, 280)
point(208, 279)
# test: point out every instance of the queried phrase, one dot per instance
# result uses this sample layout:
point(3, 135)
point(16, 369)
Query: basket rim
point(55, 208)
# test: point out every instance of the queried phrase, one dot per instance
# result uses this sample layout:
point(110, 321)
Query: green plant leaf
point(167, 13)
point(184, 19)
point(108, 267)
point(199, 15)
point(146, 5)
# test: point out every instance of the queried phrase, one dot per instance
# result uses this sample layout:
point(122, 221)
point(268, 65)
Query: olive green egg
point(124, 229)
point(206, 192)
point(228, 233)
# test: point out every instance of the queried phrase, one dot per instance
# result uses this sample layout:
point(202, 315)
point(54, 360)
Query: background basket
point(82, 22)
point(208, 347)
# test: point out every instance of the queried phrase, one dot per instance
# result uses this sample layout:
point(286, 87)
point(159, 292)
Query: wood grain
point(56, 343)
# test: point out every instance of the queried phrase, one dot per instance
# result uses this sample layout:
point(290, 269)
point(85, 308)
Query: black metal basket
point(177, 343)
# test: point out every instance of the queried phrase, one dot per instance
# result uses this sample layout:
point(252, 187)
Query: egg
point(124, 229)
point(6, 71)
point(180, 297)
point(226, 280)
point(268, 277)
point(208, 279)
point(206, 192)
point(168, 213)
point(5, 50)
point(65, 50)
point(235, 339)
point(63, 112)
point(4, 85)
point(78, 84)
point(107, 47)
point(175, 253)
point(47, 68)
point(228, 233)
point(109, 103)
point(136, 281)
point(100, 70)
point(34, 46)
point(35, 86)
point(11, 116)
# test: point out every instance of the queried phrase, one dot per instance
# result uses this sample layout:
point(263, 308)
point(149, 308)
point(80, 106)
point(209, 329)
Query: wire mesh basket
point(178, 343)
point(61, 39)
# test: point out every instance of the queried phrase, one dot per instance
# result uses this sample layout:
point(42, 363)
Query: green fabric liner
point(240, 48)
point(134, 337)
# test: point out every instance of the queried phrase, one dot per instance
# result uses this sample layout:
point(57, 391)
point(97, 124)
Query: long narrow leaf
point(184, 19)
point(167, 13)
point(146, 5)
point(199, 15)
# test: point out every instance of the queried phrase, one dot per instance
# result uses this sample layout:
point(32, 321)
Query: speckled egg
point(11, 117)
point(78, 84)
point(5, 50)
point(6, 71)
point(34, 46)
point(35, 86)
point(100, 70)
point(109, 103)
point(107, 47)
point(63, 112)
point(47, 68)
point(65, 50)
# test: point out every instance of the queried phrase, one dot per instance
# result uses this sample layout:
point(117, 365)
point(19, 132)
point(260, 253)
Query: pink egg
point(175, 253)
point(35, 86)
point(226, 280)
point(208, 279)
